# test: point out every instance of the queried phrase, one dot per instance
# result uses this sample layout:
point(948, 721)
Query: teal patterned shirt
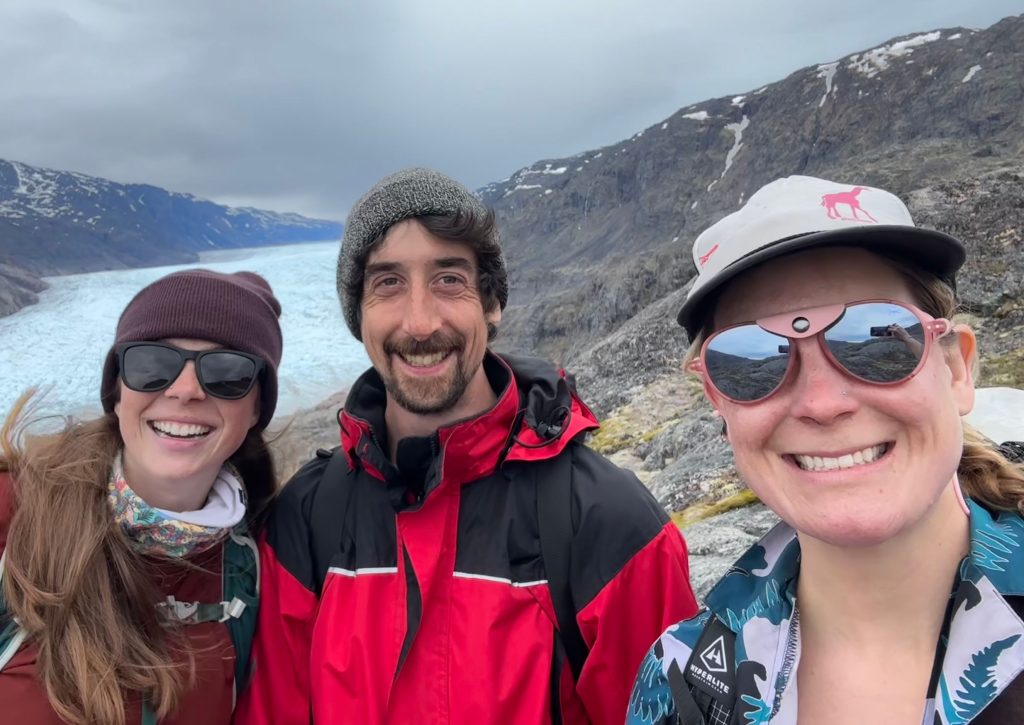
point(980, 653)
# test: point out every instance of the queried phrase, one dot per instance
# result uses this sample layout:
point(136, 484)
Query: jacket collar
point(536, 415)
point(764, 578)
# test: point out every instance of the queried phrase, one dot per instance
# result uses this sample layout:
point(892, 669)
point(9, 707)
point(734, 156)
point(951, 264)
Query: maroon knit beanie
point(238, 311)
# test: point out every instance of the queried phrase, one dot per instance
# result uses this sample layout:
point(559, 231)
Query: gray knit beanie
point(403, 195)
point(238, 311)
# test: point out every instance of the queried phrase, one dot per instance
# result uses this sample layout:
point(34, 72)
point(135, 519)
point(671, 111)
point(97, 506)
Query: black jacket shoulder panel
point(288, 526)
point(617, 517)
point(321, 520)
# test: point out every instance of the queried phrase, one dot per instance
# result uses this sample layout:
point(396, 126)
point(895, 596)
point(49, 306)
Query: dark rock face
point(18, 289)
point(57, 222)
point(715, 544)
point(594, 238)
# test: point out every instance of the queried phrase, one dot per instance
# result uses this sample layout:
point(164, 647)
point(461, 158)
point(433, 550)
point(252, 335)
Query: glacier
point(58, 345)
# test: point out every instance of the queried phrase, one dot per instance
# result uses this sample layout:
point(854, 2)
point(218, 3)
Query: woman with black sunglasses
point(129, 580)
point(892, 591)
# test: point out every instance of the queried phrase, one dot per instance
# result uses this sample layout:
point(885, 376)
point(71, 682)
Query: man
point(415, 579)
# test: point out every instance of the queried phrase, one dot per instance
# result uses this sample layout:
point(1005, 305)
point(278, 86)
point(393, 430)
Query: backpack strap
point(554, 518)
point(12, 634)
point(332, 498)
point(238, 608)
point(705, 692)
point(688, 712)
point(240, 576)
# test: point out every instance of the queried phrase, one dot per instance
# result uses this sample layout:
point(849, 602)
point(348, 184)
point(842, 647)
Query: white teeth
point(823, 463)
point(180, 430)
point(425, 361)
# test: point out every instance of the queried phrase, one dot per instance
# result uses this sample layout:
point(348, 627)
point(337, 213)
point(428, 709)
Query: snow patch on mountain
point(828, 72)
point(971, 73)
point(871, 62)
point(737, 131)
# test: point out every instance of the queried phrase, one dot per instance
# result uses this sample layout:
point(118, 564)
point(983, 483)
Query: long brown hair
point(984, 473)
point(75, 583)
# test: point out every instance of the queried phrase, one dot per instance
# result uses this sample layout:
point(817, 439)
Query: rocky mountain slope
point(18, 289)
point(595, 237)
point(59, 222)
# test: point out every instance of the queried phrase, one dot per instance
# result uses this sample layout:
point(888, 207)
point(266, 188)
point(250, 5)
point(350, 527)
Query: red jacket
point(425, 600)
point(23, 696)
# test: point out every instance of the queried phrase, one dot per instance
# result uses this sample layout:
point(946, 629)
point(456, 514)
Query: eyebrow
point(455, 263)
point(379, 267)
point(443, 262)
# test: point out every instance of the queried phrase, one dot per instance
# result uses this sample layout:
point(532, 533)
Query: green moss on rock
point(700, 511)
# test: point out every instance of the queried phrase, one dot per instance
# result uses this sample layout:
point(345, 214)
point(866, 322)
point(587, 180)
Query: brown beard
point(428, 397)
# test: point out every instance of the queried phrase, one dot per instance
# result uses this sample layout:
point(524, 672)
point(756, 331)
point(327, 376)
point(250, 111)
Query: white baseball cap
point(799, 212)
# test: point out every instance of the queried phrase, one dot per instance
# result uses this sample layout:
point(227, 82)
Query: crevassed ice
point(59, 343)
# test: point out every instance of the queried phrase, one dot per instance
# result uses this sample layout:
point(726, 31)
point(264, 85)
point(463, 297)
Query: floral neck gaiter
point(175, 534)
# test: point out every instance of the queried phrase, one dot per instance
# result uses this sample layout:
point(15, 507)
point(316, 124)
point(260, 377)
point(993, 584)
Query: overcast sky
point(302, 105)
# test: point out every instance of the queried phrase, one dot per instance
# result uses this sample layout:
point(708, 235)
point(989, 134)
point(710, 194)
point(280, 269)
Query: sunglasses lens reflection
point(877, 342)
point(747, 363)
point(149, 368)
point(226, 374)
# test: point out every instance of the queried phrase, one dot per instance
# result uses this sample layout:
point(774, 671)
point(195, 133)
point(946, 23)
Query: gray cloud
point(301, 106)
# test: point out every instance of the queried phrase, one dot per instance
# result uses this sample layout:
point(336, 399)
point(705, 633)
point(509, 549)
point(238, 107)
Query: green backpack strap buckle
point(196, 612)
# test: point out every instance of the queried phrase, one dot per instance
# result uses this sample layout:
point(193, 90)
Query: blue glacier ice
point(58, 344)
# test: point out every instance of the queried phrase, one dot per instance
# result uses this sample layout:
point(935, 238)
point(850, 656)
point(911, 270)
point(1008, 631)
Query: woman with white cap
point(129, 580)
point(892, 591)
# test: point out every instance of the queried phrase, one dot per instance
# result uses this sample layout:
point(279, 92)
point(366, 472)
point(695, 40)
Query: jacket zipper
point(788, 660)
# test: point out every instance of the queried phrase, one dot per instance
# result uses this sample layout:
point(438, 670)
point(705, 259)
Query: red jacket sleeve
point(650, 593)
point(278, 692)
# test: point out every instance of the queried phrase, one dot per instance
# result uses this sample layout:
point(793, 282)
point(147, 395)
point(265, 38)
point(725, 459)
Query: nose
point(186, 386)
point(422, 318)
point(821, 393)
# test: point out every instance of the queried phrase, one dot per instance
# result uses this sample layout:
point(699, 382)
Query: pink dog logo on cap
point(849, 198)
point(703, 259)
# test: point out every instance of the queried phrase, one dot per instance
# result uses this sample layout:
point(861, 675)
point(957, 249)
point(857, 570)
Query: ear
point(713, 396)
point(256, 407)
point(494, 316)
point(962, 359)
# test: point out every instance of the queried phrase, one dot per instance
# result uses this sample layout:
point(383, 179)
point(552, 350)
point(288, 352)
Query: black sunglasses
point(149, 367)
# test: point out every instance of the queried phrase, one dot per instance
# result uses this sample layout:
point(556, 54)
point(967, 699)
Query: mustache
point(439, 342)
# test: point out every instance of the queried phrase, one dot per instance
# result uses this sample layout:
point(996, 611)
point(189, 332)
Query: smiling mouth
point(424, 361)
point(181, 431)
point(849, 460)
